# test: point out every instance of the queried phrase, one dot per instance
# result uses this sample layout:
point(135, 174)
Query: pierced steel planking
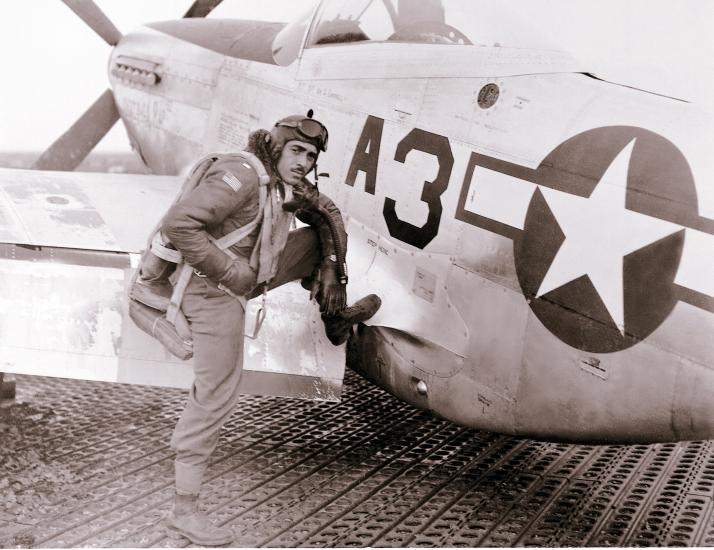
point(369, 471)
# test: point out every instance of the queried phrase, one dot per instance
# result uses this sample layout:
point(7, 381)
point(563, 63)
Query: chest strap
point(157, 243)
point(224, 243)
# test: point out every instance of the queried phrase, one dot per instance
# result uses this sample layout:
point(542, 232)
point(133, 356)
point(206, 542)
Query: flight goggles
point(308, 128)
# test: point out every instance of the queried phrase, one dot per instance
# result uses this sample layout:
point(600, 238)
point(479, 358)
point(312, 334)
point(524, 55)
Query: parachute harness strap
point(225, 242)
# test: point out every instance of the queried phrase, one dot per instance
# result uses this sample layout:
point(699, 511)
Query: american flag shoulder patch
point(232, 181)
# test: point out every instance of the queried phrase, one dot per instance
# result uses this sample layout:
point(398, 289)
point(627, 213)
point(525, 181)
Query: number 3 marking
point(438, 146)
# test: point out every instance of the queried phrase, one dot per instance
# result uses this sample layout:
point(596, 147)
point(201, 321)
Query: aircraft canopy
point(447, 22)
point(442, 22)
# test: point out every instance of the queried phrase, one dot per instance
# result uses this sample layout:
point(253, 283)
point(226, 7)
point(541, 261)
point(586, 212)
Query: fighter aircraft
point(542, 240)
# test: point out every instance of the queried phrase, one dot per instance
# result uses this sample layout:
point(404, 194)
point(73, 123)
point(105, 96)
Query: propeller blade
point(201, 8)
point(68, 151)
point(90, 13)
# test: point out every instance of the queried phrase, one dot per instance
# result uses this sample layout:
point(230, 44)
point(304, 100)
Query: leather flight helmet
point(300, 128)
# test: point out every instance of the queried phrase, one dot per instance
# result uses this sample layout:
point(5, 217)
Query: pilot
point(227, 198)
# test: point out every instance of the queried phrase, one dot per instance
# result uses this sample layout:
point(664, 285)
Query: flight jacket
point(225, 199)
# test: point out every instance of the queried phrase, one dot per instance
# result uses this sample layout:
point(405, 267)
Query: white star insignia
point(599, 231)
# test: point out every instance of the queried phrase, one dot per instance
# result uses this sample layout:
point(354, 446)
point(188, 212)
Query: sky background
point(53, 66)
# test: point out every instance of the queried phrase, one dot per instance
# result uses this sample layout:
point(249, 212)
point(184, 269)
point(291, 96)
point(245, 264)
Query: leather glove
point(332, 295)
point(305, 197)
point(240, 278)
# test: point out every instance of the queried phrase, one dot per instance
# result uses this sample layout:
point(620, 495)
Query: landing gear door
point(285, 351)
point(290, 355)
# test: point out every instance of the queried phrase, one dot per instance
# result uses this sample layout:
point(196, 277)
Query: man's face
point(296, 160)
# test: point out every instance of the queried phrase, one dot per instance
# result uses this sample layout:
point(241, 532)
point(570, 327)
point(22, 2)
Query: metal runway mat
point(88, 464)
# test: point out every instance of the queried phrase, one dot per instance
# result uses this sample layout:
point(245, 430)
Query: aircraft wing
point(86, 211)
point(70, 243)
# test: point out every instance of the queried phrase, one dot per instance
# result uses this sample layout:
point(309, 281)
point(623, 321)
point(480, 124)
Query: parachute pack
point(158, 285)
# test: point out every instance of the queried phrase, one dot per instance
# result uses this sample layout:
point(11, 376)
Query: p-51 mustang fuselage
point(542, 240)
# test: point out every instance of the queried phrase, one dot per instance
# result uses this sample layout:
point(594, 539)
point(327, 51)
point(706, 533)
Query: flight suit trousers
point(217, 325)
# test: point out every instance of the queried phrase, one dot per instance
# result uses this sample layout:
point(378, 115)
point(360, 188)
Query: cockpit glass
point(447, 22)
point(288, 42)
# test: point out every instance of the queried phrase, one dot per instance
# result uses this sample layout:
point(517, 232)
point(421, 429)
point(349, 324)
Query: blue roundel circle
point(609, 303)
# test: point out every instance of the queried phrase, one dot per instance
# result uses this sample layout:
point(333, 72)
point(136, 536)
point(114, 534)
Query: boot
point(186, 519)
point(337, 327)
